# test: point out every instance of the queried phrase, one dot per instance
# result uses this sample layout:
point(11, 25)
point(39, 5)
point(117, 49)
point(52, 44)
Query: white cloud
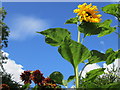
point(90, 67)
point(115, 65)
point(14, 69)
point(4, 54)
point(23, 27)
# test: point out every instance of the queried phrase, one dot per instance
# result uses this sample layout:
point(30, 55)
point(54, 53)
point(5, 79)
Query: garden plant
point(89, 22)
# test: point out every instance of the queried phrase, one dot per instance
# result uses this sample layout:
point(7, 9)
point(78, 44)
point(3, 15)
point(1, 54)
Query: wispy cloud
point(24, 27)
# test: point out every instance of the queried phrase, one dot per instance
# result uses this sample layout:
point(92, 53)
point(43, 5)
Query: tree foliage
point(110, 79)
point(4, 33)
point(4, 30)
point(7, 79)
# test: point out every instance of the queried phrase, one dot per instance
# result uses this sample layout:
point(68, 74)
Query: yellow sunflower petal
point(88, 13)
point(88, 6)
point(99, 15)
point(79, 6)
point(76, 11)
point(84, 4)
point(94, 7)
point(84, 12)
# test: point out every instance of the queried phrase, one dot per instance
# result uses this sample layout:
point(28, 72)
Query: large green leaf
point(106, 28)
point(57, 77)
point(110, 56)
point(100, 29)
point(73, 52)
point(96, 57)
point(91, 75)
point(72, 21)
point(112, 9)
point(55, 36)
point(89, 85)
point(89, 28)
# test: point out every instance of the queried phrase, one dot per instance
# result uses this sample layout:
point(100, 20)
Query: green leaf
point(96, 57)
point(118, 54)
point(110, 56)
point(89, 28)
point(112, 9)
point(26, 86)
point(90, 85)
point(72, 21)
point(71, 78)
point(55, 36)
point(91, 76)
point(73, 52)
point(114, 85)
point(106, 28)
point(57, 77)
point(100, 29)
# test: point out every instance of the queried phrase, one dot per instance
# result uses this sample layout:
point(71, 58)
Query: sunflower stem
point(78, 36)
point(77, 77)
point(76, 69)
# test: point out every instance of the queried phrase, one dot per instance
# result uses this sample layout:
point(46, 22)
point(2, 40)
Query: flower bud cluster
point(38, 78)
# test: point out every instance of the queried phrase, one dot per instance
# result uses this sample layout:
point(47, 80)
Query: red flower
point(48, 80)
point(37, 77)
point(26, 77)
point(4, 87)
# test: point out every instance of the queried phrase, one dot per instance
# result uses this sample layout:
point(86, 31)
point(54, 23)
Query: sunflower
point(88, 13)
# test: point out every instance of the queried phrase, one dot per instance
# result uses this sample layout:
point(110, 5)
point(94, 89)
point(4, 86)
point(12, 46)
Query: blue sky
point(29, 48)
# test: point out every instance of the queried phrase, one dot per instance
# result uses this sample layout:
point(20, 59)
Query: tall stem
point(78, 36)
point(77, 77)
point(76, 69)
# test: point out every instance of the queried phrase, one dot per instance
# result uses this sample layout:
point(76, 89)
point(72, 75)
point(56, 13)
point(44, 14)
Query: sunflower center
point(89, 14)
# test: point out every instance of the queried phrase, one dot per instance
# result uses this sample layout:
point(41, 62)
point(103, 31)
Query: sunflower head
point(88, 13)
